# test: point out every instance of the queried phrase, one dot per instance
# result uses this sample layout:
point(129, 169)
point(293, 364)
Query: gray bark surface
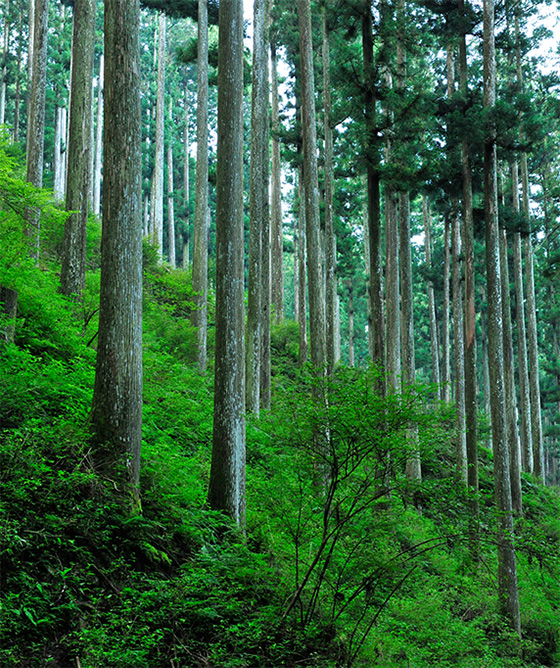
point(157, 177)
point(116, 415)
point(78, 181)
point(227, 474)
point(434, 339)
point(508, 593)
point(98, 143)
point(317, 330)
point(277, 248)
point(199, 316)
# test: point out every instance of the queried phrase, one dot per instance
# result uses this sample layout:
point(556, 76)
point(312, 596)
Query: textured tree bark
point(392, 292)
point(98, 143)
point(170, 202)
point(330, 257)
point(302, 281)
point(445, 346)
point(5, 42)
point(470, 315)
point(507, 569)
point(38, 20)
point(317, 330)
point(186, 184)
point(459, 351)
point(227, 474)
point(17, 99)
point(523, 370)
point(156, 216)
point(277, 251)
point(373, 195)
point(258, 210)
point(509, 380)
point(434, 339)
point(58, 186)
point(116, 415)
point(78, 181)
point(199, 316)
point(350, 323)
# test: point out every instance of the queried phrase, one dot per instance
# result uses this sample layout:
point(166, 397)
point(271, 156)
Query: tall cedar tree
point(116, 415)
point(78, 182)
point(227, 474)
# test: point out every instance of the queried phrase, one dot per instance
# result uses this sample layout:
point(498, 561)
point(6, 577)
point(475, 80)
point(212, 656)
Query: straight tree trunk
point(295, 225)
point(459, 351)
point(3, 69)
point(509, 380)
point(330, 258)
point(470, 315)
point(317, 330)
point(17, 99)
point(116, 415)
point(392, 291)
point(350, 323)
point(227, 474)
point(170, 200)
point(302, 281)
point(445, 345)
point(98, 143)
point(186, 184)
point(434, 343)
point(58, 186)
point(199, 316)
point(157, 177)
point(78, 182)
point(36, 114)
point(258, 211)
point(507, 569)
point(277, 250)
point(522, 357)
point(373, 194)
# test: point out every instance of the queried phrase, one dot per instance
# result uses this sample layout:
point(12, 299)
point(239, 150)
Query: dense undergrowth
point(343, 563)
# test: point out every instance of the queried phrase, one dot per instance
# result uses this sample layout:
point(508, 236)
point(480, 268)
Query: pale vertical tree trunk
point(58, 186)
point(170, 200)
point(258, 210)
point(350, 323)
point(98, 143)
point(116, 415)
point(157, 177)
point(337, 331)
point(78, 183)
point(227, 474)
point(186, 185)
point(5, 42)
point(277, 251)
point(302, 282)
point(445, 345)
point(296, 261)
point(431, 299)
point(36, 114)
point(469, 305)
point(532, 339)
point(507, 570)
point(459, 350)
point(91, 141)
point(146, 220)
point(330, 258)
point(366, 267)
point(392, 291)
point(317, 330)
point(199, 316)
point(523, 370)
point(18, 74)
point(509, 379)
point(373, 194)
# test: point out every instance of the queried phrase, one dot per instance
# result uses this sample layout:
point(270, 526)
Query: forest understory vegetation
point(344, 562)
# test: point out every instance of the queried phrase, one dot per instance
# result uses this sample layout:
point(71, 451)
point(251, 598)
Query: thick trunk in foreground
point(98, 143)
point(508, 593)
point(227, 474)
point(116, 415)
point(78, 181)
